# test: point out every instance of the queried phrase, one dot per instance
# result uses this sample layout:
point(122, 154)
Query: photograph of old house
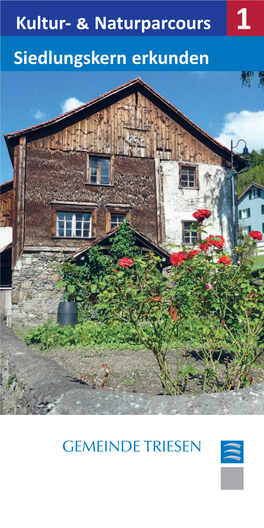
point(128, 154)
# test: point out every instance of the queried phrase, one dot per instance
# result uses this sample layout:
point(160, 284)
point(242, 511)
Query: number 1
point(244, 19)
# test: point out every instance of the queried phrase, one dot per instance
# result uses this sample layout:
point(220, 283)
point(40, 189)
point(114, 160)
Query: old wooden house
point(127, 154)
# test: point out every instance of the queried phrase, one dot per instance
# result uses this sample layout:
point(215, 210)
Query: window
point(189, 232)
point(98, 170)
point(246, 229)
point(116, 214)
point(76, 225)
point(244, 213)
point(254, 193)
point(116, 219)
point(188, 177)
point(73, 220)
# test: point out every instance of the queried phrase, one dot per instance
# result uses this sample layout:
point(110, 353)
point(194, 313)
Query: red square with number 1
point(245, 18)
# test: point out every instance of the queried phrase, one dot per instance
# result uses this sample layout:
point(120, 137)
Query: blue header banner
point(166, 18)
point(131, 54)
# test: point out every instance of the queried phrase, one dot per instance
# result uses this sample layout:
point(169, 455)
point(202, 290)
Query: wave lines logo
point(232, 452)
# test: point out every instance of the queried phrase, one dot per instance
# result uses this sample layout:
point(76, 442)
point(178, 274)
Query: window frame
point(73, 209)
point(100, 157)
point(117, 214)
point(246, 229)
point(73, 220)
point(187, 166)
point(184, 229)
point(254, 193)
point(118, 210)
point(246, 214)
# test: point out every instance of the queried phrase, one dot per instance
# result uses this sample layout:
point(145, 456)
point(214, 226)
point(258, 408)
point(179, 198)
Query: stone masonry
point(34, 297)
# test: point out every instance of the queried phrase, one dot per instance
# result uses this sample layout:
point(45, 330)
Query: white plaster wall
point(5, 236)
point(214, 194)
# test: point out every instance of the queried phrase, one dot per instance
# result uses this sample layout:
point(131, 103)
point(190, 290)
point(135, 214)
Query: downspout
point(234, 176)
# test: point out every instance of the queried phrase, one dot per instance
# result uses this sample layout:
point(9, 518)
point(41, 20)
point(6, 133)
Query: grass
point(258, 262)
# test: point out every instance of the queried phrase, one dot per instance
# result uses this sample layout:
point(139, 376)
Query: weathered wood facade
point(6, 204)
point(133, 126)
point(146, 141)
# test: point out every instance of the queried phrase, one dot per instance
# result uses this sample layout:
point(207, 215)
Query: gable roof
point(252, 184)
point(116, 94)
point(7, 186)
point(144, 242)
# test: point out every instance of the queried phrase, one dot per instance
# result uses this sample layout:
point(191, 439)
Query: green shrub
point(89, 334)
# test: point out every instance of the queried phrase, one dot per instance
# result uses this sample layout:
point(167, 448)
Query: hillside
point(255, 173)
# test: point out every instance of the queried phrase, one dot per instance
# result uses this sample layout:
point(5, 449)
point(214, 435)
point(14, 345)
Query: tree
point(247, 77)
point(255, 173)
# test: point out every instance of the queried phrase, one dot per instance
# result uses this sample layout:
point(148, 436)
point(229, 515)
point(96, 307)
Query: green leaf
point(60, 284)
point(71, 288)
point(188, 369)
point(94, 288)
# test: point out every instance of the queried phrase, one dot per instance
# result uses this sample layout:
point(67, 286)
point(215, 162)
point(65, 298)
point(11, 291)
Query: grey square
point(232, 478)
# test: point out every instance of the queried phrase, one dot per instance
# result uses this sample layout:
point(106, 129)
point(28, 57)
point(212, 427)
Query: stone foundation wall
point(34, 296)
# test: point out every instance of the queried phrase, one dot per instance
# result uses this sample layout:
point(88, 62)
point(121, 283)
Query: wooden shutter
point(239, 215)
point(53, 221)
point(248, 213)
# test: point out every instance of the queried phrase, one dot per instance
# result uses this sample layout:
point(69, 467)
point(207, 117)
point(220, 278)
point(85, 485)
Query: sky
point(215, 101)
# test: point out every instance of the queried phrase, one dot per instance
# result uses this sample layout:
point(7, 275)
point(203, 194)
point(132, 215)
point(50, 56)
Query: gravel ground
point(129, 370)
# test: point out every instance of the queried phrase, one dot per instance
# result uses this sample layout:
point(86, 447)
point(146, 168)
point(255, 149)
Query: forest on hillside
point(255, 173)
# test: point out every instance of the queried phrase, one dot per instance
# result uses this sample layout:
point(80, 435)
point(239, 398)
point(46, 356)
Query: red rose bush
point(125, 262)
point(256, 235)
point(214, 306)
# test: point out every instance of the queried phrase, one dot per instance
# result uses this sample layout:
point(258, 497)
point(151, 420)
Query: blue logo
point(232, 451)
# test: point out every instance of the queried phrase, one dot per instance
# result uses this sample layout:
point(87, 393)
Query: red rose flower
point(177, 258)
point(216, 241)
point(125, 262)
point(202, 214)
point(204, 247)
point(157, 299)
point(256, 235)
point(224, 260)
point(191, 254)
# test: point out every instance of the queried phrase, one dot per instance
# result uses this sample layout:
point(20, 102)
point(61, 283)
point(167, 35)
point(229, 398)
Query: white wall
point(5, 304)
point(214, 194)
point(5, 236)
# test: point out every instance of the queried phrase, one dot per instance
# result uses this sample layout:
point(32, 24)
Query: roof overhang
point(252, 184)
point(143, 241)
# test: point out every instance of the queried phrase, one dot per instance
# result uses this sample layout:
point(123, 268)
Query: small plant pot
point(67, 313)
